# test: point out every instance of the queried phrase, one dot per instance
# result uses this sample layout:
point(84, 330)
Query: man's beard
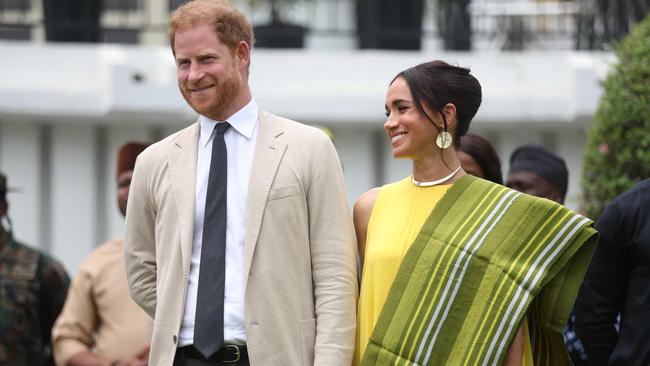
point(226, 91)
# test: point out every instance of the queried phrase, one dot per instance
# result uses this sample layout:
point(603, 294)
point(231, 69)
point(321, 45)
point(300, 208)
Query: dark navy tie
point(208, 321)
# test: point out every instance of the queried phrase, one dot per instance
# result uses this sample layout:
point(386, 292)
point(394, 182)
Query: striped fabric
point(487, 258)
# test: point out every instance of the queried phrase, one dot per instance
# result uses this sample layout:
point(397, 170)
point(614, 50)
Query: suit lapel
point(266, 159)
point(182, 168)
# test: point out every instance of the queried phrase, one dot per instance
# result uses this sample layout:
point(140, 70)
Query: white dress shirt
point(240, 144)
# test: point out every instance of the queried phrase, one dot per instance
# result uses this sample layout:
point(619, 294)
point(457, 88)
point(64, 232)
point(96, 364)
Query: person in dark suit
point(616, 284)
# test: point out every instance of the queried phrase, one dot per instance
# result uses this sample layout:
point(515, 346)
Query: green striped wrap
point(486, 258)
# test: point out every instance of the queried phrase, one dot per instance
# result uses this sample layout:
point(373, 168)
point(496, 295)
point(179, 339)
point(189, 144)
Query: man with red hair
point(238, 236)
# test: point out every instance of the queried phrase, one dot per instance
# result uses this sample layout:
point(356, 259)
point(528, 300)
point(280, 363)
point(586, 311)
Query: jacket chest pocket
point(285, 191)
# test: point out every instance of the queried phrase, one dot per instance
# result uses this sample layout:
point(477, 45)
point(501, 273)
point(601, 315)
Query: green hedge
point(618, 144)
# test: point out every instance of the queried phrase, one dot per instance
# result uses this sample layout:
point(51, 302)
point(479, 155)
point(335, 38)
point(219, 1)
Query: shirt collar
point(243, 121)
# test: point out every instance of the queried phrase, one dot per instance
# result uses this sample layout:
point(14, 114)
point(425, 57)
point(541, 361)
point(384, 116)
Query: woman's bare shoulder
point(364, 204)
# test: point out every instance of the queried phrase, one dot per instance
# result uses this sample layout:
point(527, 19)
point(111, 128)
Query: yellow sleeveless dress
point(399, 212)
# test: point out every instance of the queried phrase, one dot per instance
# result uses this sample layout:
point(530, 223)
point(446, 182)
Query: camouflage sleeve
point(54, 289)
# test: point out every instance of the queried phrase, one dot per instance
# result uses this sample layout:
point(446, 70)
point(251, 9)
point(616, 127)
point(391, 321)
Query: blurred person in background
point(618, 284)
point(479, 158)
point(33, 287)
point(539, 172)
point(451, 263)
point(100, 325)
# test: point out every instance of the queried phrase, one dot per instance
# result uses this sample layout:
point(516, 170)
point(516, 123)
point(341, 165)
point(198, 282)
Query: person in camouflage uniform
point(33, 287)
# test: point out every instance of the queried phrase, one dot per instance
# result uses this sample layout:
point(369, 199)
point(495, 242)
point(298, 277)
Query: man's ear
point(243, 55)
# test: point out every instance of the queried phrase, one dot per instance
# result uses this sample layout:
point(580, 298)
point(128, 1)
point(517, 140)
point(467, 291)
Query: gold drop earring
point(444, 139)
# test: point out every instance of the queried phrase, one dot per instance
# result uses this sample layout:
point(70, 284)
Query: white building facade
point(66, 108)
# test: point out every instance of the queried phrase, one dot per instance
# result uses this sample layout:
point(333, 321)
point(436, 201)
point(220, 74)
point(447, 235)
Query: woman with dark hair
point(457, 269)
point(478, 158)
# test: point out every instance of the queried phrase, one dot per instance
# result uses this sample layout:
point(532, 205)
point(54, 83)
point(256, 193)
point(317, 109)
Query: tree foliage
point(618, 144)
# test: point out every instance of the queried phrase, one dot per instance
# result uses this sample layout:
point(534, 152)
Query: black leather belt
point(228, 354)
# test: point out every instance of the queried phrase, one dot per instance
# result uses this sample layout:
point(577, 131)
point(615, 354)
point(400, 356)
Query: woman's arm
point(362, 210)
point(515, 354)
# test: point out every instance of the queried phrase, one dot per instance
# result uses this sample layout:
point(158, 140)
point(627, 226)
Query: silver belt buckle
point(235, 349)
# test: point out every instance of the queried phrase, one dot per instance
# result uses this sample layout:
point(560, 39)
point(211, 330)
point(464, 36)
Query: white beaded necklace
point(434, 182)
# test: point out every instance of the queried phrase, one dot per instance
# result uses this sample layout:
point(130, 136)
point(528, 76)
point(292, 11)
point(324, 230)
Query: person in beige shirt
point(100, 325)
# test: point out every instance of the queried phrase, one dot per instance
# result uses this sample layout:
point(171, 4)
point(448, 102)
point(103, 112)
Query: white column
point(355, 149)
point(74, 193)
point(570, 145)
point(20, 156)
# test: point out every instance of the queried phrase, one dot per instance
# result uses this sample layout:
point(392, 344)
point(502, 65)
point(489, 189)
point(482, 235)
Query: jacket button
point(174, 339)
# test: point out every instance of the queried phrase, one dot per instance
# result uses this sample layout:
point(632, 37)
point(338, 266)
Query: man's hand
point(139, 359)
point(87, 358)
point(90, 359)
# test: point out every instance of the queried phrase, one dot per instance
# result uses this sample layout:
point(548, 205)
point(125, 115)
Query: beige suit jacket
point(301, 287)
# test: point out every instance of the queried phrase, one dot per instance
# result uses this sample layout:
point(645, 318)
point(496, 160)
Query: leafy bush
point(618, 144)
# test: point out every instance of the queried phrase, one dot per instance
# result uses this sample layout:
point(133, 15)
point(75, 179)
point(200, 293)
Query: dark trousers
point(189, 356)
